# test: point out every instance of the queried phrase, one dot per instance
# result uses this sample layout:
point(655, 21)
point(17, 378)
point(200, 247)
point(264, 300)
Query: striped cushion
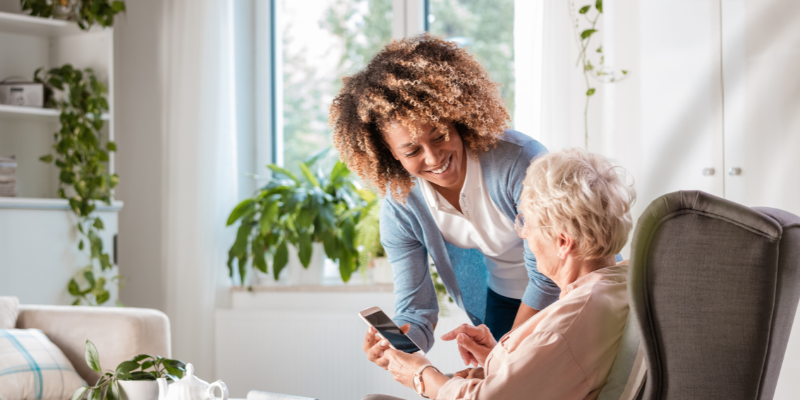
point(32, 367)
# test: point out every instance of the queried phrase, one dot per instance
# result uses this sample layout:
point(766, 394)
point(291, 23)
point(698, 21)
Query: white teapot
point(190, 387)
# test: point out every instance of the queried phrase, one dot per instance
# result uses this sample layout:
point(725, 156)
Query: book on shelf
point(8, 180)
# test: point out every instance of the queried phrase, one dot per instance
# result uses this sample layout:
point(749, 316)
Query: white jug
point(190, 388)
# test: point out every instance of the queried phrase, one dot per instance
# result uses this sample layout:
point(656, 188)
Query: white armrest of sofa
point(119, 333)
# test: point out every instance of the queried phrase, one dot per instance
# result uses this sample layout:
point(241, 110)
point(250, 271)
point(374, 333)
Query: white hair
point(582, 195)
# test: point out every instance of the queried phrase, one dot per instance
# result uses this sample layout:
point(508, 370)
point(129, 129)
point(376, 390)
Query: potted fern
point(291, 213)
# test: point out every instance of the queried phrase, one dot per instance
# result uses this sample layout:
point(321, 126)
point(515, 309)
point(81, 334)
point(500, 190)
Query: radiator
point(309, 344)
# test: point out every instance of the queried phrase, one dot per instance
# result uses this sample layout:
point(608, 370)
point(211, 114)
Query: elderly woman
point(575, 217)
point(425, 125)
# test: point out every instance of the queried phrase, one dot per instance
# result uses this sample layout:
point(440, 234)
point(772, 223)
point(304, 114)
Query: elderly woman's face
point(431, 157)
point(545, 249)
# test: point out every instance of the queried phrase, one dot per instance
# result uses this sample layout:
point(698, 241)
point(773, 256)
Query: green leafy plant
point(299, 210)
point(585, 29)
point(368, 232)
point(143, 367)
point(441, 291)
point(81, 157)
point(84, 12)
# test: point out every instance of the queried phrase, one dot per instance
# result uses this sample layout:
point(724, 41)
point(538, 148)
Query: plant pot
point(298, 275)
point(382, 270)
point(65, 9)
point(138, 390)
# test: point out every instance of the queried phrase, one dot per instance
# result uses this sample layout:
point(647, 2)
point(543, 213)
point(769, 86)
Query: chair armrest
point(118, 333)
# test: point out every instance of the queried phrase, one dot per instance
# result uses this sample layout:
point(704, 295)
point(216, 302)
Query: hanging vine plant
point(84, 12)
point(81, 157)
point(585, 27)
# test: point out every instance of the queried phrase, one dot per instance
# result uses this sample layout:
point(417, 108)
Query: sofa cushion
point(9, 307)
point(32, 367)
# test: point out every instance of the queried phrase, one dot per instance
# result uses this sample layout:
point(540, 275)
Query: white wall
point(140, 140)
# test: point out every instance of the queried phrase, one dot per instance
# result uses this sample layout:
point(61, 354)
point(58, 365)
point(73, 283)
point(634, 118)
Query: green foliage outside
point(307, 92)
point(363, 27)
point(82, 156)
point(486, 29)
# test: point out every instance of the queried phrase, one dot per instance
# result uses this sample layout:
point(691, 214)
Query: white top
point(484, 227)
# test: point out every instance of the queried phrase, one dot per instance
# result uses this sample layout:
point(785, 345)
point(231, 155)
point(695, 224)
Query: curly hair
point(418, 80)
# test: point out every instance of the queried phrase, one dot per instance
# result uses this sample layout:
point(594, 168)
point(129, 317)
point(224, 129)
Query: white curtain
point(550, 88)
point(200, 168)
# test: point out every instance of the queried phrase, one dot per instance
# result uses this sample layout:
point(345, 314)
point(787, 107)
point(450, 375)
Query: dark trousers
point(500, 313)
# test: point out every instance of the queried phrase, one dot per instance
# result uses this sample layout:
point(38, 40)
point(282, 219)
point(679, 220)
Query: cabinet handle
point(735, 171)
point(709, 171)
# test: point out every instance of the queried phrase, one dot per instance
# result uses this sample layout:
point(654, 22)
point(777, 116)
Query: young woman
point(424, 124)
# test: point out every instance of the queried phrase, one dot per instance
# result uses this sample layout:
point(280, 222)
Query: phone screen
point(389, 330)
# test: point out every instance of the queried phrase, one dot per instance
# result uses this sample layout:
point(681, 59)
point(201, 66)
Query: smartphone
point(388, 330)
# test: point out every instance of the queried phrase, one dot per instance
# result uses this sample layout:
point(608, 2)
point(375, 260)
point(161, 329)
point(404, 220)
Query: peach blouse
point(563, 352)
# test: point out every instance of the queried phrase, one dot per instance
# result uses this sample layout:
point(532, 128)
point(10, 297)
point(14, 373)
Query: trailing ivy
point(598, 70)
point(84, 12)
point(81, 158)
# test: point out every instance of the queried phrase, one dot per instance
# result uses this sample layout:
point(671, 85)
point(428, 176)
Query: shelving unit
point(38, 238)
point(34, 26)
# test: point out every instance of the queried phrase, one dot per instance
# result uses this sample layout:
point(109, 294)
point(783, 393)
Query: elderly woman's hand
point(375, 346)
point(470, 373)
point(403, 365)
point(474, 343)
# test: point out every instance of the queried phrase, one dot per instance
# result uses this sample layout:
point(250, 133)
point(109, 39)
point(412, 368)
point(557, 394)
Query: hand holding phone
point(388, 330)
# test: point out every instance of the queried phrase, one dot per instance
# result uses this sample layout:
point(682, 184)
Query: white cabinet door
point(681, 100)
point(761, 55)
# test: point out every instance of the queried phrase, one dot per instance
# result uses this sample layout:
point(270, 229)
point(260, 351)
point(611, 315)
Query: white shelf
point(22, 203)
point(23, 112)
point(22, 24)
point(33, 112)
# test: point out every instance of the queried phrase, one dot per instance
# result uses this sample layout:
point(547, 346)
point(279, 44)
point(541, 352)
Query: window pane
point(486, 29)
point(323, 40)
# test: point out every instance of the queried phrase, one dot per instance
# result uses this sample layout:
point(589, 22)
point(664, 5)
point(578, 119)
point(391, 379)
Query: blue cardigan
point(409, 234)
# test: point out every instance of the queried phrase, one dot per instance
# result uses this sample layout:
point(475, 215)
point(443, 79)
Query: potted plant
point(84, 12)
point(368, 242)
point(133, 380)
point(315, 207)
point(81, 156)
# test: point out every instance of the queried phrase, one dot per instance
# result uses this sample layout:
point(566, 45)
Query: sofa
point(119, 333)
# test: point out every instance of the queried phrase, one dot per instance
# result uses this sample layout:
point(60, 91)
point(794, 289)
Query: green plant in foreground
point(81, 158)
point(143, 367)
point(599, 71)
point(298, 210)
point(84, 12)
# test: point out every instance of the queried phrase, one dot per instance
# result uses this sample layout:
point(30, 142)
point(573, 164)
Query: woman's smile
point(444, 168)
point(437, 155)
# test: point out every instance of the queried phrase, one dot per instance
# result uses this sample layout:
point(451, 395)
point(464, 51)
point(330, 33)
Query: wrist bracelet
point(419, 385)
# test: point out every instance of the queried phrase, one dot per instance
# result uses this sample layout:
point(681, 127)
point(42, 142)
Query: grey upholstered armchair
point(714, 287)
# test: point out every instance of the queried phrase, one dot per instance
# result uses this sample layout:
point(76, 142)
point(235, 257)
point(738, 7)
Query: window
point(320, 41)
point(486, 29)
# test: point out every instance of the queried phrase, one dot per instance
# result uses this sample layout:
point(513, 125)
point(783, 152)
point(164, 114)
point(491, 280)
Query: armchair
point(714, 288)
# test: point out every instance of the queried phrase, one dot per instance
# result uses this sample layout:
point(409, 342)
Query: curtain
point(550, 95)
point(200, 170)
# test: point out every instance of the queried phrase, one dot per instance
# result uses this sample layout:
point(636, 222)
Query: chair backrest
point(714, 286)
